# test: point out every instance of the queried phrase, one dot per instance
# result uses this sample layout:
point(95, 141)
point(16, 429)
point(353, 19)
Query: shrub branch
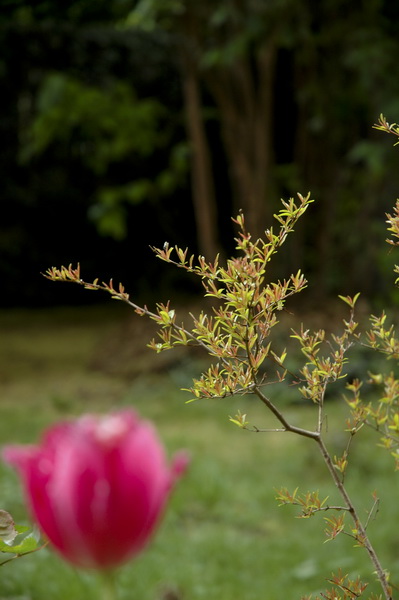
point(238, 336)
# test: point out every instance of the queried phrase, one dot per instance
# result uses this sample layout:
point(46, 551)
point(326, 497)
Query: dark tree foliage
point(331, 66)
point(46, 198)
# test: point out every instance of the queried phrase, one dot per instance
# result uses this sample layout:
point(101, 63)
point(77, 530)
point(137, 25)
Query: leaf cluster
point(344, 588)
point(382, 413)
point(237, 332)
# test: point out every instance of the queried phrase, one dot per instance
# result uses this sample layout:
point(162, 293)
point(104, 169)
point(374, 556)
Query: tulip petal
point(97, 486)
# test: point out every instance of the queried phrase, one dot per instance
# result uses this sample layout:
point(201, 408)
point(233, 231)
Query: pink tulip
point(97, 486)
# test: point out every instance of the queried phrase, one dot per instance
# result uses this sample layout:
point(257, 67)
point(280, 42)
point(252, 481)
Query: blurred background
point(127, 123)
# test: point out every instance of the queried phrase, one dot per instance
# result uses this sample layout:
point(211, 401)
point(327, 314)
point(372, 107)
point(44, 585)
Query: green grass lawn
point(223, 537)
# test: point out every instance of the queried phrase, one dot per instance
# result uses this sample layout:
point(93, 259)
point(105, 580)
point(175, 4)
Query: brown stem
point(287, 426)
point(362, 534)
point(353, 512)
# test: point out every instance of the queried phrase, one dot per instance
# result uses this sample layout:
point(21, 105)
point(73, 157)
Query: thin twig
point(373, 511)
point(358, 524)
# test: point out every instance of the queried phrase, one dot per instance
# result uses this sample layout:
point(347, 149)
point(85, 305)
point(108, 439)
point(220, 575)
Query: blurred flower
point(97, 486)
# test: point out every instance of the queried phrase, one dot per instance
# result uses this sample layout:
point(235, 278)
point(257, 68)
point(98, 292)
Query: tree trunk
point(203, 192)
point(245, 102)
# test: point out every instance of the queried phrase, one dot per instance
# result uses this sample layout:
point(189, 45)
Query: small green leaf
point(28, 544)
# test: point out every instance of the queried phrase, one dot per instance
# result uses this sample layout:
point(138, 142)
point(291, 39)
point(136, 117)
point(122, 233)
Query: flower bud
point(97, 486)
